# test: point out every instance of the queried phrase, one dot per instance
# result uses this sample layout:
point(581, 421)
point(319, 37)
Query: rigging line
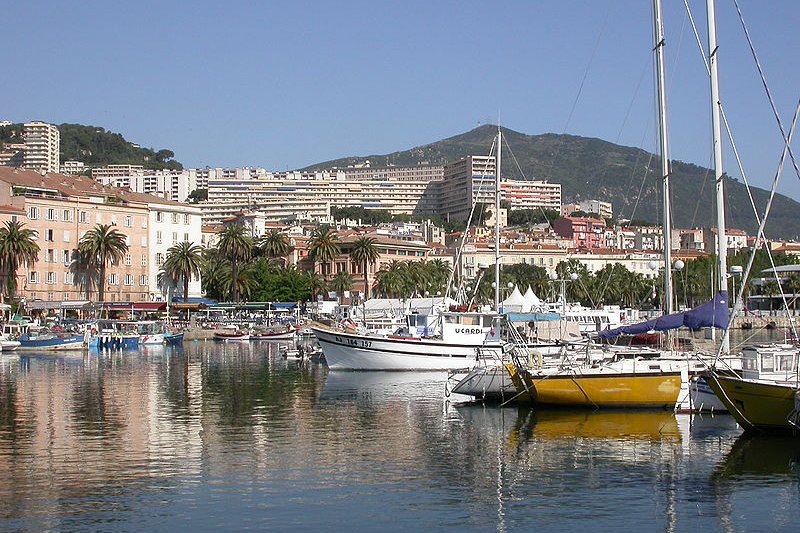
point(760, 238)
point(633, 100)
point(766, 88)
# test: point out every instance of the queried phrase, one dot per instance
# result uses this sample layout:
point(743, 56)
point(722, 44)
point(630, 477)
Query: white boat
point(7, 344)
point(448, 340)
point(232, 334)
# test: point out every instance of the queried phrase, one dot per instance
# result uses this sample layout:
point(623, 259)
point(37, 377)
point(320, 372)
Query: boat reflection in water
point(768, 457)
point(378, 384)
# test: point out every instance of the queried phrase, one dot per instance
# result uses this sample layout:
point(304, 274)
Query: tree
point(366, 253)
point(101, 245)
point(17, 247)
point(236, 246)
point(324, 246)
point(342, 282)
point(184, 261)
point(274, 244)
point(197, 195)
point(316, 284)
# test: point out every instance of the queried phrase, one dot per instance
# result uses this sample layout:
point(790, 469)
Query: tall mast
point(497, 221)
point(665, 170)
point(722, 241)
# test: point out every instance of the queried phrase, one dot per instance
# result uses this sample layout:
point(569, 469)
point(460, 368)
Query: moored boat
point(52, 341)
point(232, 334)
point(273, 334)
point(448, 340)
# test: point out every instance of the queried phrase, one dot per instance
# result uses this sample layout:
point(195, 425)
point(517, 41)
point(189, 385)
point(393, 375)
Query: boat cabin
point(774, 363)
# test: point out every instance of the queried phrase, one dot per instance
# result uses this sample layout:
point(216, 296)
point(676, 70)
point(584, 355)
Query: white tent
point(533, 301)
point(516, 303)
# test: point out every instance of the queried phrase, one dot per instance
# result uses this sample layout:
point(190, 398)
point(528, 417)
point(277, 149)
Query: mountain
point(589, 168)
point(96, 147)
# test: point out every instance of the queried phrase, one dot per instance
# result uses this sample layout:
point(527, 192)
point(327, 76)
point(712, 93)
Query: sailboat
point(765, 398)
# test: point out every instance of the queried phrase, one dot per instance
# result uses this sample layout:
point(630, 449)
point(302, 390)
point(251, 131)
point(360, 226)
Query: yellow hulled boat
point(766, 398)
point(601, 386)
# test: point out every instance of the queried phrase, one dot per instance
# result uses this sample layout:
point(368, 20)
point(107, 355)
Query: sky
point(286, 84)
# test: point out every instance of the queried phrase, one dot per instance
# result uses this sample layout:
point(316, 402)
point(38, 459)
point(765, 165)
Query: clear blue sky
point(287, 84)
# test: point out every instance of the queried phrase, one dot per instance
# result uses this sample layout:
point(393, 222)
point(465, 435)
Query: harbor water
point(231, 437)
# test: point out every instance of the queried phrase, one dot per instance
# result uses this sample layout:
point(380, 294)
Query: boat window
point(488, 321)
point(786, 362)
point(450, 319)
point(749, 363)
point(767, 362)
point(421, 319)
point(470, 321)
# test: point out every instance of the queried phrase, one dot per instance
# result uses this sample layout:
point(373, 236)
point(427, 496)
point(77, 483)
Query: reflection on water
point(230, 436)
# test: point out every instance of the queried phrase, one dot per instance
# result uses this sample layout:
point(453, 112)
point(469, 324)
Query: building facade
point(42, 147)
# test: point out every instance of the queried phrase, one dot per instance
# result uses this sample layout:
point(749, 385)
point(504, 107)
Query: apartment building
point(42, 147)
point(169, 223)
point(468, 181)
point(61, 209)
point(531, 194)
point(585, 233)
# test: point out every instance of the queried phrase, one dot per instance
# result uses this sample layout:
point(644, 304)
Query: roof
point(75, 186)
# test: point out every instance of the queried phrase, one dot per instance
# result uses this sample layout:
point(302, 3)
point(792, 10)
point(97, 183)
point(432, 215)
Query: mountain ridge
point(592, 168)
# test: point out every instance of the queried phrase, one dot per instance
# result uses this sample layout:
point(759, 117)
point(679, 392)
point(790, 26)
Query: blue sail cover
point(713, 313)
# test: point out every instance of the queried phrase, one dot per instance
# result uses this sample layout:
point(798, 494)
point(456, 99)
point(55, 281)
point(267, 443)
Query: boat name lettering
point(470, 331)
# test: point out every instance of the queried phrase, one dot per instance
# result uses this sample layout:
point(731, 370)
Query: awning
point(134, 306)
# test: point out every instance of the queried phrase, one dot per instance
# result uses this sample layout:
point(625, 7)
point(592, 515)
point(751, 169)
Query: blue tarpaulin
point(713, 313)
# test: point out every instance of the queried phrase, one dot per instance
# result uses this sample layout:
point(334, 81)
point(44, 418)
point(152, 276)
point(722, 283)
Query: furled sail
point(713, 313)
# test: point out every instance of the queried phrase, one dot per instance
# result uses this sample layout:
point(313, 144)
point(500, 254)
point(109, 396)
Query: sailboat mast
point(665, 167)
point(497, 221)
point(722, 241)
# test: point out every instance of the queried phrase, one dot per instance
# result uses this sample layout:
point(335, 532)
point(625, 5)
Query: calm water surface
point(231, 437)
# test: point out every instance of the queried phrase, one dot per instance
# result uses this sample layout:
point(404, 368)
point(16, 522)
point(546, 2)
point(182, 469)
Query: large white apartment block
point(394, 193)
point(604, 209)
point(467, 181)
point(42, 147)
point(531, 194)
point(170, 223)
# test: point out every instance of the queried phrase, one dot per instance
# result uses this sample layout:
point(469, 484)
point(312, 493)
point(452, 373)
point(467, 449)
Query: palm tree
point(342, 283)
point(365, 252)
point(101, 245)
point(215, 270)
point(17, 247)
point(236, 246)
point(323, 246)
point(316, 283)
point(184, 261)
point(275, 244)
point(84, 271)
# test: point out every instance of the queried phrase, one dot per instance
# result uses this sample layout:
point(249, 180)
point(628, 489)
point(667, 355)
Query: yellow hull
point(757, 406)
point(648, 390)
point(613, 424)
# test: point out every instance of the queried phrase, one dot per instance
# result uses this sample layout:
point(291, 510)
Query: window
point(159, 260)
point(69, 278)
point(158, 237)
point(174, 237)
point(127, 240)
point(144, 242)
point(33, 277)
point(128, 279)
point(14, 218)
point(174, 218)
point(51, 255)
point(113, 279)
point(51, 214)
point(159, 216)
point(49, 235)
point(65, 257)
point(186, 219)
point(49, 296)
point(144, 260)
point(66, 215)
point(66, 296)
point(128, 259)
point(66, 235)
point(185, 237)
point(51, 278)
point(83, 217)
point(33, 212)
point(128, 221)
point(143, 279)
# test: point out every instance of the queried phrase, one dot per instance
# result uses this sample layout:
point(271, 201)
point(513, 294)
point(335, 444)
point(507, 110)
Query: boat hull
point(72, 342)
point(345, 351)
point(599, 387)
point(757, 406)
point(282, 336)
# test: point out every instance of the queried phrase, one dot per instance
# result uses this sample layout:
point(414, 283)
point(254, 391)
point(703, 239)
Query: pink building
point(585, 233)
